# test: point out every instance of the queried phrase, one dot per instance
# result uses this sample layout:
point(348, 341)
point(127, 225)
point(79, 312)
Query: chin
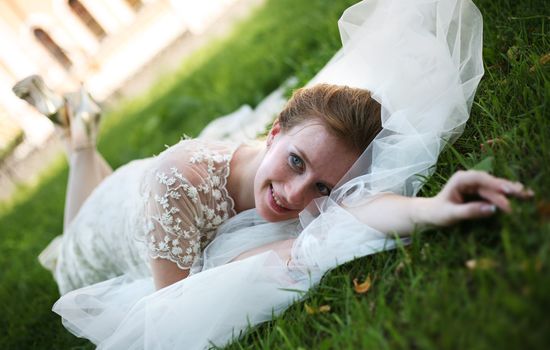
point(268, 215)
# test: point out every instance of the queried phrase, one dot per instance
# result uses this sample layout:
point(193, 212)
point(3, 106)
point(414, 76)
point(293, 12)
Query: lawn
point(478, 285)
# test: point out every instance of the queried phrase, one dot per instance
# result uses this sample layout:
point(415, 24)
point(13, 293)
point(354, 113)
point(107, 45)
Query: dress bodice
point(186, 199)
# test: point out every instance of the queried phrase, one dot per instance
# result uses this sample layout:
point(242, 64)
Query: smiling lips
point(276, 202)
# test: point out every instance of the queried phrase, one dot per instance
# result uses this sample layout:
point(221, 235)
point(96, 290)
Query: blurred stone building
point(100, 43)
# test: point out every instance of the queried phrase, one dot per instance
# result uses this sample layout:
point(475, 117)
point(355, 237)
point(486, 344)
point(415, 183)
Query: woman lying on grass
point(212, 225)
point(196, 185)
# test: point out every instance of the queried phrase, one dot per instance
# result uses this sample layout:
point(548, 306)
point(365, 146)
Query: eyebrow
point(304, 157)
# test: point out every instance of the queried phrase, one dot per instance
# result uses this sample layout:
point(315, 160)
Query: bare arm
point(390, 213)
point(166, 273)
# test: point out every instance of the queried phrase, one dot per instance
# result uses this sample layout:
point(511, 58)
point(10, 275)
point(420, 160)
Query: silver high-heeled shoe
point(85, 117)
point(77, 113)
point(33, 90)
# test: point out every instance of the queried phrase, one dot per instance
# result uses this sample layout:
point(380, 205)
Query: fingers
point(497, 199)
point(517, 189)
point(494, 191)
point(473, 210)
point(473, 181)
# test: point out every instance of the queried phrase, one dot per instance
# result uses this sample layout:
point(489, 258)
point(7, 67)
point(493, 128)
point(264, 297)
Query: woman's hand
point(467, 195)
point(451, 205)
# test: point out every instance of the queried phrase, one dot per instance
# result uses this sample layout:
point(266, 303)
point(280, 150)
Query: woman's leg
point(106, 169)
point(76, 117)
point(87, 168)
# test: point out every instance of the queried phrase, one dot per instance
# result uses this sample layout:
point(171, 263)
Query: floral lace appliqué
point(181, 241)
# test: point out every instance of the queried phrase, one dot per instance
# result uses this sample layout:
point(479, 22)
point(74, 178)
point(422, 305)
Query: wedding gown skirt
point(100, 243)
point(422, 61)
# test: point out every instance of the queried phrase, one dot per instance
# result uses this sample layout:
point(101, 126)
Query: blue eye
point(323, 189)
point(295, 162)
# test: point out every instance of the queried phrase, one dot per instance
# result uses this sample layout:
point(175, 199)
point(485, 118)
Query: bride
point(210, 228)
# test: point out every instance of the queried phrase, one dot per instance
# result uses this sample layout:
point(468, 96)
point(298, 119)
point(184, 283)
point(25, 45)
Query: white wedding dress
point(167, 206)
point(422, 61)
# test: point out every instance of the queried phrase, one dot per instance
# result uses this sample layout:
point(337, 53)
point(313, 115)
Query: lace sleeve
point(185, 200)
point(175, 213)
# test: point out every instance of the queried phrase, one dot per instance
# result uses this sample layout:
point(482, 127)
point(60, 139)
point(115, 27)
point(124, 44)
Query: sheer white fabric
point(422, 61)
point(184, 205)
point(166, 207)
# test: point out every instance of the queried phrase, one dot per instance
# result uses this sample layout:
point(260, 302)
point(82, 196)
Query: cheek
point(257, 183)
point(269, 172)
point(273, 168)
point(260, 180)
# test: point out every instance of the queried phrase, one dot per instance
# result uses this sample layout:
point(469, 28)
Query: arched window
point(135, 4)
point(86, 18)
point(54, 49)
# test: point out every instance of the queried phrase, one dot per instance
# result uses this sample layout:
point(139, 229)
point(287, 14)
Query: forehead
point(328, 157)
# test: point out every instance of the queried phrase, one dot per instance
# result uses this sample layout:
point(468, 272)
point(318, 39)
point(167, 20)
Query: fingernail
point(488, 208)
point(507, 189)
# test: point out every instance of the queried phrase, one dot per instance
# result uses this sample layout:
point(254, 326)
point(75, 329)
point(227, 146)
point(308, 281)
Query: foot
point(33, 90)
point(85, 117)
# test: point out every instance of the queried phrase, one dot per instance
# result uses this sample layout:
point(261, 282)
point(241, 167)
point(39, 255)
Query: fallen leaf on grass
point(513, 53)
point(324, 308)
point(542, 61)
point(480, 264)
point(310, 310)
point(364, 287)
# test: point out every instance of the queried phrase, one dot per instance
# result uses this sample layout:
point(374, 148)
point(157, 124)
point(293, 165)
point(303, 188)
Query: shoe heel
point(34, 91)
point(86, 116)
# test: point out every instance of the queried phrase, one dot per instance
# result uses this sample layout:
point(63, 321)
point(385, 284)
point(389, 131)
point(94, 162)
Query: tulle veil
point(422, 60)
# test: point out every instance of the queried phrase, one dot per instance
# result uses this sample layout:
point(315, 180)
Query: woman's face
point(300, 165)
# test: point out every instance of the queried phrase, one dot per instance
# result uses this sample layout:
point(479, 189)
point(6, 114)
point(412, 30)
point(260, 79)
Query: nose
point(298, 193)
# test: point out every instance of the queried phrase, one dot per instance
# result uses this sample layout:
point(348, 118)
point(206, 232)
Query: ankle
point(85, 120)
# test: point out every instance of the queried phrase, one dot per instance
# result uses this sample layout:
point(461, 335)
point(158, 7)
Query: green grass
point(423, 295)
